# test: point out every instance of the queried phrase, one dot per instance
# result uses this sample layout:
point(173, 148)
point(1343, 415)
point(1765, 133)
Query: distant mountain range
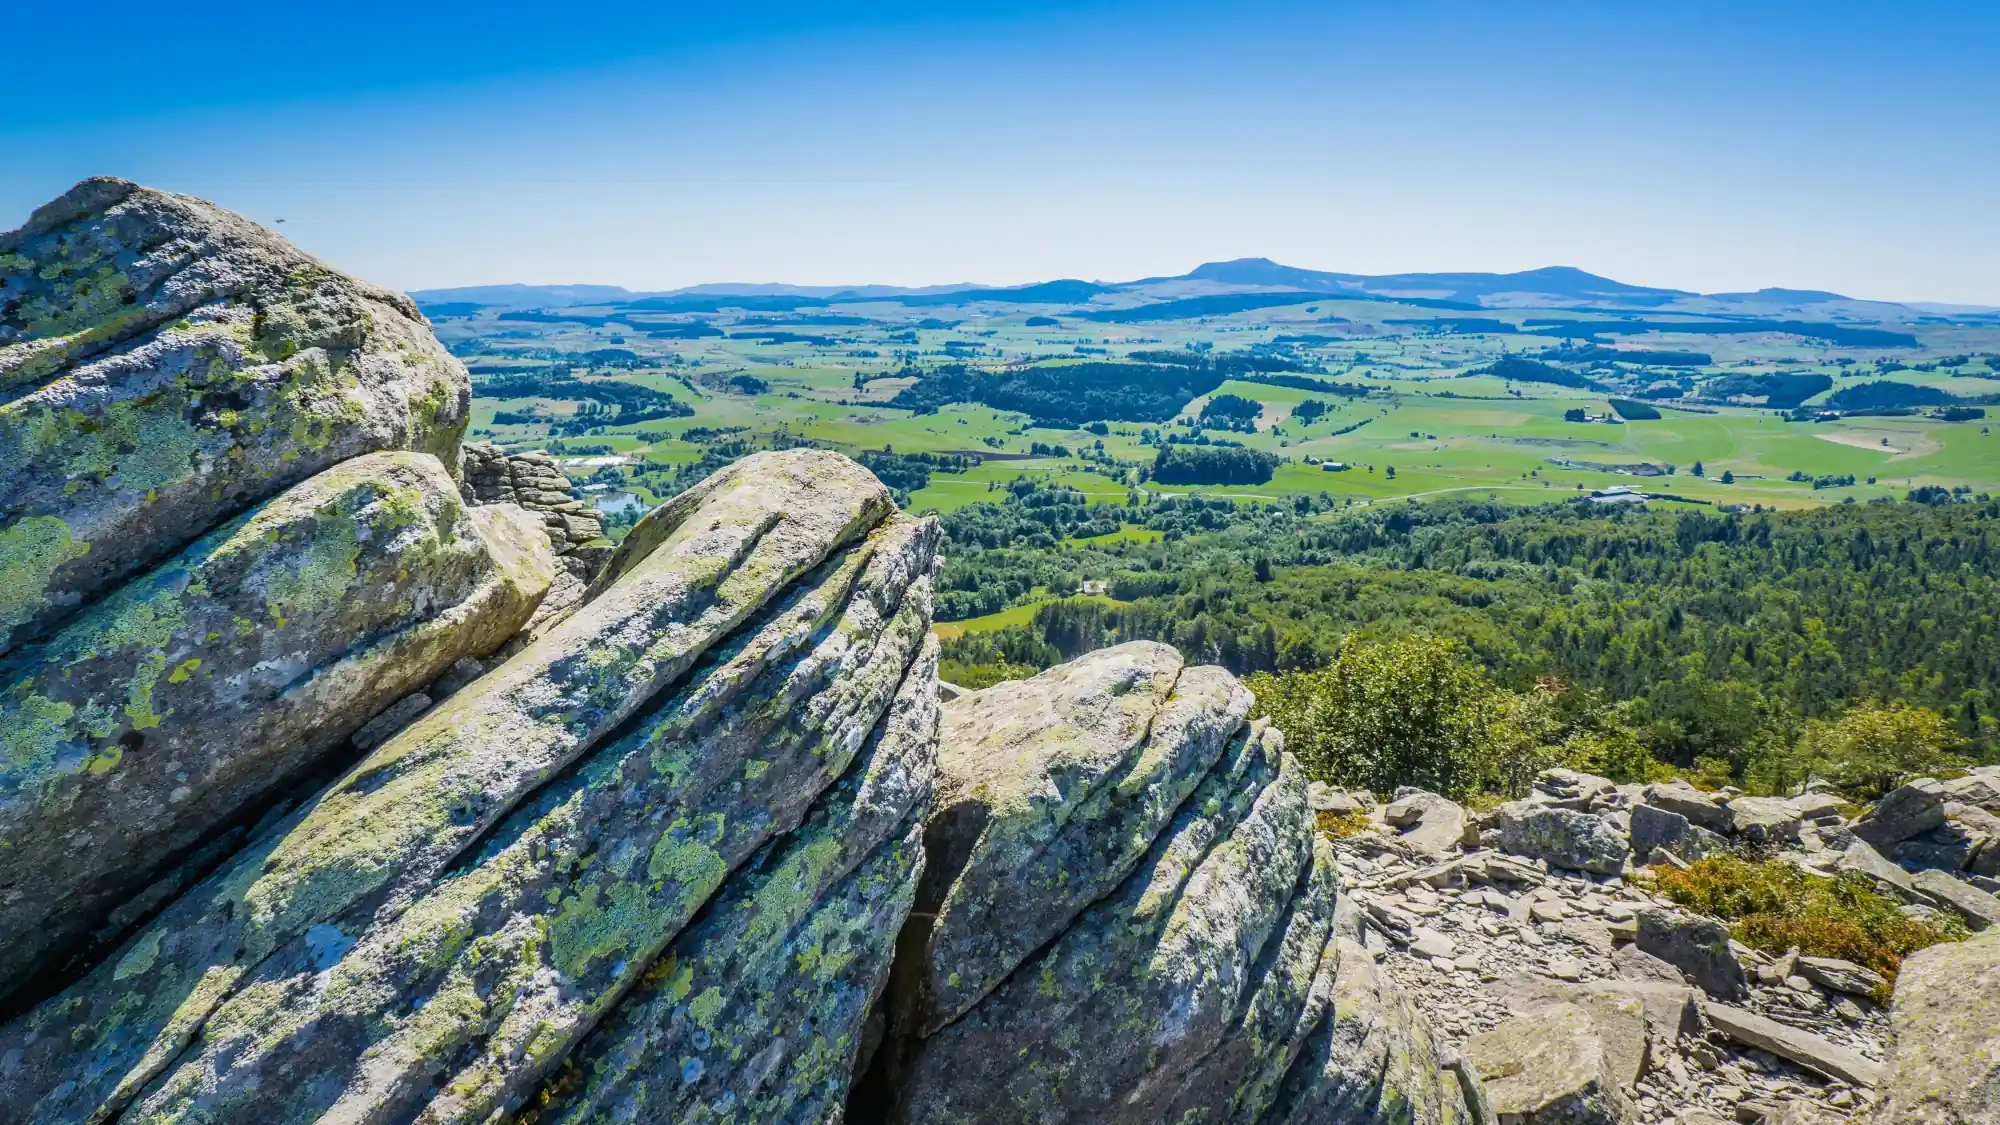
point(1564, 287)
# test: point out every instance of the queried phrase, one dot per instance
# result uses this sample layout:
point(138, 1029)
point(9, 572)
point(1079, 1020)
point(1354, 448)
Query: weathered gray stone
point(1371, 1060)
point(1840, 976)
point(1764, 821)
point(1548, 1067)
point(756, 1010)
point(1905, 811)
point(1654, 827)
point(1950, 846)
point(700, 567)
point(1802, 1047)
point(1823, 808)
point(1684, 799)
point(1324, 798)
point(1698, 947)
point(164, 364)
point(1102, 1024)
point(1889, 878)
point(1578, 790)
point(1427, 823)
point(1980, 789)
point(1943, 1066)
point(232, 671)
point(1633, 963)
point(1979, 909)
point(1050, 791)
point(506, 965)
point(1563, 837)
point(1618, 1020)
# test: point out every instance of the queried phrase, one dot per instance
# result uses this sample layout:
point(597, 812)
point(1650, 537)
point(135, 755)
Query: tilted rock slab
point(1102, 1025)
point(160, 715)
point(1944, 1048)
point(1051, 790)
point(1134, 922)
point(164, 364)
point(372, 848)
point(1549, 1068)
point(503, 968)
point(752, 1014)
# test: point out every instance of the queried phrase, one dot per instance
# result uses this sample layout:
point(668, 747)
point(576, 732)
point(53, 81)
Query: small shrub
point(1773, 906)
point(1339, 826)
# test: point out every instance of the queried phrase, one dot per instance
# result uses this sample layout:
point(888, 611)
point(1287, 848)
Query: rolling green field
point(1424, 429)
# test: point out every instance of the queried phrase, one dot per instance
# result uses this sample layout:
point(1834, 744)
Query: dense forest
point(1719, 638)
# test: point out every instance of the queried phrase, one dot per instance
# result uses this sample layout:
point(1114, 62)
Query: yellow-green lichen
point(31, 551)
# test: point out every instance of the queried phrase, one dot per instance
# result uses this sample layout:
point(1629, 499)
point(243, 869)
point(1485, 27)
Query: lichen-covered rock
point(1563, 837)
point(164, 364)
point(378, 841)
point(1050, 791)
point(1697, 946)
point(1549, 1067)
point(156, 718)
point(1944, 1050)
point(755, 1012)
point(1371, 1059)
point(506, 966)
point(1102, 1025)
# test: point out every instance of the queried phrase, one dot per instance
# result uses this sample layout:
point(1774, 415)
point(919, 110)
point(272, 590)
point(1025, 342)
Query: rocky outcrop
point(164, 713)
point(164, 364)
point(533, 481)
point(745, 658)
point(1127, 918)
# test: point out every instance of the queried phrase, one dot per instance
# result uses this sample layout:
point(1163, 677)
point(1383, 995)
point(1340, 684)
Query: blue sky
point(1701, 145)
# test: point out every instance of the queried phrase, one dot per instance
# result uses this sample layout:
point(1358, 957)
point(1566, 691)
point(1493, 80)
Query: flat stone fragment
point(1765, 821)
point(1979, 909)
point(1802, 1047)
point(1549, 1067)
point(1841, 976)
point(1908, 810)
point(1427, 823)
point(1943, 1066)
point(1685, 800)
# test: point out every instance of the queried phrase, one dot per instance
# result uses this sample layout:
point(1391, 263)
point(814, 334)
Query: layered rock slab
point(164, 364)
point(1173, 954)
point(503, 968)
point(377, 842)
point(155, 719)
point(1051, 789)
point(754, 1012)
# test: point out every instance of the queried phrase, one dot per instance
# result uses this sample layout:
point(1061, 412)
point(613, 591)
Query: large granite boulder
point(154, 720)
point(1944, 1048)
point(1127, 918)
point(165, 363)
point(365, 959)
point(1697, 946)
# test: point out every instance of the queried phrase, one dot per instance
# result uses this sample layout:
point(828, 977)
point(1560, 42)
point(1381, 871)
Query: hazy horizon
point(1711, 148)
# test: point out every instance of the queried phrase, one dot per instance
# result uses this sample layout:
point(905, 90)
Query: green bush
point(1420, 711)
point(1871, 749)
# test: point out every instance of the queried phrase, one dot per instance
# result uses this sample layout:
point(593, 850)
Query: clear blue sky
point(1702, 145)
